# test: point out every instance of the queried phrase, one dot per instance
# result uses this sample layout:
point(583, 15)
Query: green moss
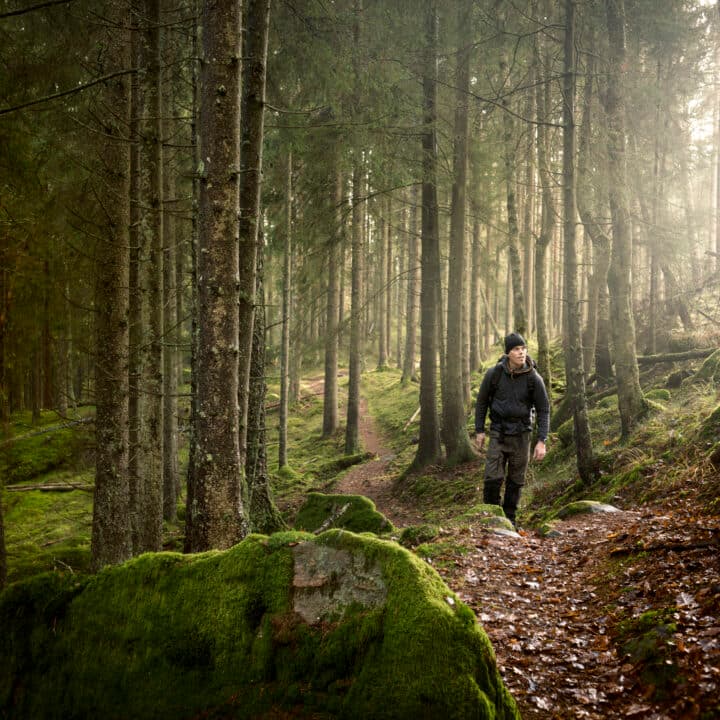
point(218, 635)
point(658, 394)
point(416, 534)
point(352, 512)
point(566, 433)
point(710, 369)
point(647, 643)
point(710, 427)
point(27, 457)
point(611, 401)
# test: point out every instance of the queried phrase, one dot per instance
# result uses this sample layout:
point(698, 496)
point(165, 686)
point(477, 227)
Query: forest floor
point(617, 616)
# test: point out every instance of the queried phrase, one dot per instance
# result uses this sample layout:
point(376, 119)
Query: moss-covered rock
point(351, 512)
point(710, 427)
point(334, 626)
point(415, 535)
point(585, 506)
point(710, 369)
point(658, 395)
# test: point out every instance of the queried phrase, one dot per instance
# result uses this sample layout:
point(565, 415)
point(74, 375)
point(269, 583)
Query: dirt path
point(552, 605)
point(373, 479)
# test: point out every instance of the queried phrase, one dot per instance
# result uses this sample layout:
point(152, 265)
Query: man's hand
point(539, 453)
point(479, 440)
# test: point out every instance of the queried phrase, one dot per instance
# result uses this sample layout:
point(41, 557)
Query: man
point(511, 390)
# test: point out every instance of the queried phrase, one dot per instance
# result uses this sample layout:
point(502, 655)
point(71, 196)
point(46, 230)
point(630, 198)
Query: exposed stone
point(327, 581)
point(585, 506)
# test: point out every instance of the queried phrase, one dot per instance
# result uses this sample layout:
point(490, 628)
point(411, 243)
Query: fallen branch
point(665, 547)
point(50, 487)
point(330, 521)
point(675, 357)
point(409, 422)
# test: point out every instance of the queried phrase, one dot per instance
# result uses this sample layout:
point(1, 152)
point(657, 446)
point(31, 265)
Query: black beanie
point(513, 340)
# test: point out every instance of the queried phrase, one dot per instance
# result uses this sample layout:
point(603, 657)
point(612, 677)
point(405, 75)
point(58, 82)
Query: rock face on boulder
point(334, 626)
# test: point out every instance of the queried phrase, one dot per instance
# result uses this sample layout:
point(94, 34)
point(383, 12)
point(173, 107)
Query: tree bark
point(255, 36)
point(548, 212)
point(150, 502)
point(285, 336)
point(429, 451)
point(3, 550)
point(216, 517)
point(171, 320)
point(516, 281)
point(111, 541)
point(264, 517)
point(454, 431)
point(597, 291)
point(573, 337)
point(411, 312)
point(381, 296)
point(330, 387)
point(631, 404)
point(352, 426)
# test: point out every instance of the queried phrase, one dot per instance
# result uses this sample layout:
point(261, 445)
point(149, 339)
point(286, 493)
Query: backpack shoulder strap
point(494, 381)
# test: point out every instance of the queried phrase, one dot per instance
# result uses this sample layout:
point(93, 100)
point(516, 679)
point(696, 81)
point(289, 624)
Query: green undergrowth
point(218, 635)
point(666, 446)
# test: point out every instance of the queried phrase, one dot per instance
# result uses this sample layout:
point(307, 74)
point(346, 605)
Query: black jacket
point(510, 411)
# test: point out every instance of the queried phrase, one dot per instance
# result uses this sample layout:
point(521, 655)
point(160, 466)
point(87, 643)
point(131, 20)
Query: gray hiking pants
point(507, 460)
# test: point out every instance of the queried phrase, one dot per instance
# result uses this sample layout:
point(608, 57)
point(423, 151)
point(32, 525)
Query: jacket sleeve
point(481, 405)
point(542, 407)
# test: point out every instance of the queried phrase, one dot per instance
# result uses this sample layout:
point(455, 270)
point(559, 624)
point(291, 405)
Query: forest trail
point(552, 605)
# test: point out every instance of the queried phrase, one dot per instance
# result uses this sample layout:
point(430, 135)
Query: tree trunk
point(630, 398)
point(474, 302)
point(194, 304)
point(135, 314)
point(454, 431)
point(330, 387)
point(597, 289)
point(573, 337)
point(3, 551)
point(389, 276)
point(111, 541)
point(352, 426)
point(216, 518)
point(264, 517)
point(285, 337)
point(255, 45)
point(411, 313)
point(548, 212)
point(515, 266)
point(381, 297)
point(170, 375)
point(171, 320)
point(150, 502)
point(428, 451)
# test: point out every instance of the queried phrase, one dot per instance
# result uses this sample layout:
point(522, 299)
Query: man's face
point(517, 356)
